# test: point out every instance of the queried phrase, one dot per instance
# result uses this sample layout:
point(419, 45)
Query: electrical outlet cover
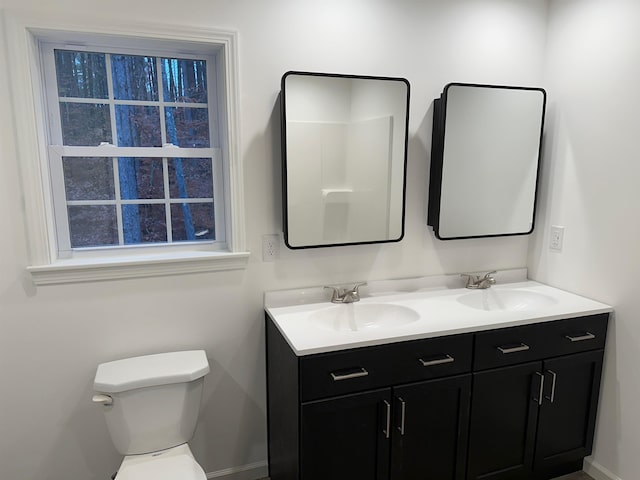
point(270, 247)
point(556, 238)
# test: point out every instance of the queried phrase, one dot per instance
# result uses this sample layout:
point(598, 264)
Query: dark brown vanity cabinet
point(506, 404)
point(415, 431)
point(534, 415)
point(430, 435)
point(396, 411)
point(344, 437)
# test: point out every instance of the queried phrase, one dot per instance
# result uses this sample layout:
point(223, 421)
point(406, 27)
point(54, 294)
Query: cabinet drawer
point(509, 346)
point(337, 373)
point(577, 334)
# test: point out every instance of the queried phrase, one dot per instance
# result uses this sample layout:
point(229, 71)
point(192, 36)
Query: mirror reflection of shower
point(345, 150)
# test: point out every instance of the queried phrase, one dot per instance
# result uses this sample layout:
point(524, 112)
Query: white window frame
point(29, 104)
point(57, 150)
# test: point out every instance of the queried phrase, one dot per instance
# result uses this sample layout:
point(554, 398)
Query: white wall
point(52, 338)
point(591, 186)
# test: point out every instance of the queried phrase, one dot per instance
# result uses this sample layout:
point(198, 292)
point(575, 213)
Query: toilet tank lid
point(151, 370)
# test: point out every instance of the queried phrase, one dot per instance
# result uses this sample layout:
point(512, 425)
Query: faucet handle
point(355, 291)
point(479, 281)
point(472, 278)
point(488, 277)
point(336, 294)
point(345, 295)
point(357, 286)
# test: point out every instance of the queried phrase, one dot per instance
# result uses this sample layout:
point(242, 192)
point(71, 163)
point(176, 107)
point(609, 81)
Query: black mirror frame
point(437, 159)
point(283, 132)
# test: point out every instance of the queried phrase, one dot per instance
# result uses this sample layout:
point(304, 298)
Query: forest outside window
point(134, 148)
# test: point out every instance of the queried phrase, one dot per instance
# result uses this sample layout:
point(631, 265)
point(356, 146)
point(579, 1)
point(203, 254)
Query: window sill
point(141, 266)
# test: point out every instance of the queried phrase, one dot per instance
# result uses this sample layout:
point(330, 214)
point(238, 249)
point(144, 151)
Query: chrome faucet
point(478, 281)
point(346, 295)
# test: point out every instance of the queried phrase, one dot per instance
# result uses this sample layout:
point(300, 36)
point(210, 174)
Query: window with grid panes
point(134, 147)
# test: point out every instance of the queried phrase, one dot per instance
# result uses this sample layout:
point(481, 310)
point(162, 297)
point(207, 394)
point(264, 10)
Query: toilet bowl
point(175, 463)
point(151, 406)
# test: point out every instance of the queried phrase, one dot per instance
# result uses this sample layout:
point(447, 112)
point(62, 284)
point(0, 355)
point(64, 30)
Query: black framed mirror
point(485, 158)
point(344, 148)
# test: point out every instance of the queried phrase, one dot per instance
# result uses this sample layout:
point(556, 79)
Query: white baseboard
point(252, 471)
point(597, 471)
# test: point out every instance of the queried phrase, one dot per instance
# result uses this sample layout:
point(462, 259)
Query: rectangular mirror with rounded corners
point(485, 157)
point(344, 149)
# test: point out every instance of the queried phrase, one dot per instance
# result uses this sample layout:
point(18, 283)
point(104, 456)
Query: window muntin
point(134, 158)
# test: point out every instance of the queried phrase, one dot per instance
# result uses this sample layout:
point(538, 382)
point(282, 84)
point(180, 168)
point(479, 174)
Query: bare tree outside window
point(152, 103)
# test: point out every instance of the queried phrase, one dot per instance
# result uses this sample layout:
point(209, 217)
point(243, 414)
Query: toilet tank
point(156, 399)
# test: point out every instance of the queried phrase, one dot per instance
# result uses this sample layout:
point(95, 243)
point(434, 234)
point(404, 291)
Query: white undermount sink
point(506, 299)
point(363, 316)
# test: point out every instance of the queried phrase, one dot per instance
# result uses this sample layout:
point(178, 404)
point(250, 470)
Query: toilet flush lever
point(103, 399)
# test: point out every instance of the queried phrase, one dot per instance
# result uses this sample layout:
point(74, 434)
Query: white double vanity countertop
point(312, 324)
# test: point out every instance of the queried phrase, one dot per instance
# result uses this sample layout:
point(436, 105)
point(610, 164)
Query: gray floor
point(575, 476)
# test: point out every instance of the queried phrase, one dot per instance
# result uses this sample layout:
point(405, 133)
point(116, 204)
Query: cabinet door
point(430, 426)
point(504, 411)
point(568, 411)
point(346, 437)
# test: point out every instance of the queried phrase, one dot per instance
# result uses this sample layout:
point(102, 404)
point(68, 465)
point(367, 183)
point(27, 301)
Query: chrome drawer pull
point(540, 392)
point(402, 415)
point(552, 397)
point(519, 348)
point(437, 361)
point(347, 376)
point(387, 429)
point(580, 338)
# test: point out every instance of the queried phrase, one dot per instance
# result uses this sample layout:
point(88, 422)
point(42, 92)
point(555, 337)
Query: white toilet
point(151, 405)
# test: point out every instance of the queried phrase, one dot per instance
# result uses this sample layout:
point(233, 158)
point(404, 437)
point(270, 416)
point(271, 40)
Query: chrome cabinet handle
point(580, 338)
point(436, 361)
point(519, 348)
point(541, 391)
point(402, 414)
point(337, 377)
point(553, 386)
point(387, 429)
